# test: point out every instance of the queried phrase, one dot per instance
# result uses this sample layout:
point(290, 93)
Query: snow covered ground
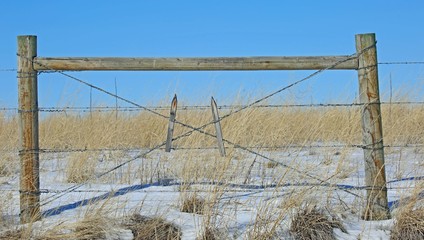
point(248, 193)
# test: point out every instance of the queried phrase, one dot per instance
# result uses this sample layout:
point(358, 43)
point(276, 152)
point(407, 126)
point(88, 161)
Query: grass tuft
point(210, 233)
point(409, 224)
point(311, 223)
point(14, 234)
point(88, 228)
point(192, 204)
point(145, 228)
point(271, 164)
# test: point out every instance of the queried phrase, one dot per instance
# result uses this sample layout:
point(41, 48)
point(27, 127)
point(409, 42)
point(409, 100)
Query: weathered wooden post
point(218, 129)
point(375, 175)
point(172, 115)
point(28, 130)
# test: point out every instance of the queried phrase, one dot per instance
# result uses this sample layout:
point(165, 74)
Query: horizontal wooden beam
point(194, 63)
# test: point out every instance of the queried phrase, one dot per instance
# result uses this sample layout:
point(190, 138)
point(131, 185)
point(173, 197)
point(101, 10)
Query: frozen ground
point(243, 187)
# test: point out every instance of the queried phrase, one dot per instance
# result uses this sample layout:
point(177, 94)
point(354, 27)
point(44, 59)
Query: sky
point(211, 28)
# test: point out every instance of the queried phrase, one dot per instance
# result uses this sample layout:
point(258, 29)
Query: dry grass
point(409, 224)
point(212, 233)
point(267, 222)
point(271, 164)
point(312, 223)
point(251, 127)
point(95, 227)
point(95, 221)
point(81, 167)
point(8, 132)
point(145, 228)
point(6, 210)
point(192, 203)
point(409, 218)
point(89, 227)
point(9, 160)
point(15, 234)
point(9, 163)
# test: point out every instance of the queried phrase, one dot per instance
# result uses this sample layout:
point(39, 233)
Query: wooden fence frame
point(365, 63)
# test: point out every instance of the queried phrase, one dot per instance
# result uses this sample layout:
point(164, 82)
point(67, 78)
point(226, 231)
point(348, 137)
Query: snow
point(242, 194)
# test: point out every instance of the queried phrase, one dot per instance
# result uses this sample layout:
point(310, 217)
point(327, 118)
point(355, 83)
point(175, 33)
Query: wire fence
point(198, 129)
point(234, 109)
point(203, 107)
point(200, 107)
point(176, 148)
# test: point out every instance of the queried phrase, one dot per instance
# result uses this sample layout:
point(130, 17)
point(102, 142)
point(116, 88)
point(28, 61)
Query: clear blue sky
point(210, 28)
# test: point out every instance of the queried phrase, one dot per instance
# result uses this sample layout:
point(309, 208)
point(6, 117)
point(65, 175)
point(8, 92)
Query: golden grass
point(409, 215)
point(252, 127)
point(259, 127)
point(81, 166)
point(14, 234)
point(95, 221)
point(312, 223)
point(191, 203)
point(156, 228)
point(409, 224)
point(8, 132)
point(93, 226)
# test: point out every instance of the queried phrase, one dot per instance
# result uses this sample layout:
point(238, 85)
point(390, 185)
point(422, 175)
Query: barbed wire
point(222, 107)
point(8, 69)
point(9, 109)
point(225, 116)
point(178, 137)
point(230, 187)
point(231, 113)
point(194, 107)
point(290, 146)
point(203, 107)
point(199, 129)
point(401, 63)
point(176, 148)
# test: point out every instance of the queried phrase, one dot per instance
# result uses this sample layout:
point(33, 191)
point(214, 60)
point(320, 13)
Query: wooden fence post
point(218, 129)
point(172, 115)
point(375, 175)
point(28, 130)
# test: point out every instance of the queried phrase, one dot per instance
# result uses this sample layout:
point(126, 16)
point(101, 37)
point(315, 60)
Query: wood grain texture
point(218, 128)
point(194, 64)
point(28, 130)
point(375, 174)
point(172, 116)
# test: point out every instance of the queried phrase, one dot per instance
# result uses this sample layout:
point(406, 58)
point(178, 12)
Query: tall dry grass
point(271, 127)
point(8, 132)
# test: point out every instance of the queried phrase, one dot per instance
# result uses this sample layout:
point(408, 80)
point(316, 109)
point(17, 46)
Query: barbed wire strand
point(236, 187)
point(8, 69)
point(223, 107)
point(205, 107)
point(177, 148)
point(199, 129)
point(401, 63)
